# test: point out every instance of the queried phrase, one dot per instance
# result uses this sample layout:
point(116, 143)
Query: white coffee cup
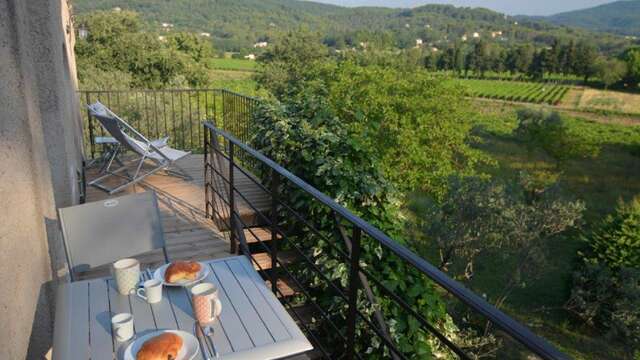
point(127, 275)
point(122, 326)
point(151, 291)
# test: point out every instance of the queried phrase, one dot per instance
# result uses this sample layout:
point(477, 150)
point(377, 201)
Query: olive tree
point(480, 215)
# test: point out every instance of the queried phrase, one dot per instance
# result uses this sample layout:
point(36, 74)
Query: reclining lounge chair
point(157, 152)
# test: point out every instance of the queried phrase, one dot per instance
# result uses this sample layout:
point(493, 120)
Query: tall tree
point(568, 58)
point(610, 71)
point(632, 58)
point(478, 59)
point(538, 65)
point(586, 55)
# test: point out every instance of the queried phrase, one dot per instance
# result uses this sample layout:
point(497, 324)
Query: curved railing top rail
point(519, 332)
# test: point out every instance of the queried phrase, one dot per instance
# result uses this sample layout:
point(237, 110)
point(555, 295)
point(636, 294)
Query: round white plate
point(159, 274)
point(188, 351)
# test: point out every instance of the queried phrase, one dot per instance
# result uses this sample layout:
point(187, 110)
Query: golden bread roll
point(161, 347)
point(182, 270)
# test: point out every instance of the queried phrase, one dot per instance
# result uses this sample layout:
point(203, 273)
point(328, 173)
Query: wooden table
point(253, 324)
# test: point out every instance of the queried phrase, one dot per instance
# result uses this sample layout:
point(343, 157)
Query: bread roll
point(182, 270)
point(162, 347)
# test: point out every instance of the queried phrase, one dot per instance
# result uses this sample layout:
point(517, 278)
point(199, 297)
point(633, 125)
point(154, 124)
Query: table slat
point(264, 309)
point(241, 305)
point(229, 335)
point(80, 321)
point(182, 310)
point(278, 308)
point(119, 304)
point(163, 313)
point(100, 319)
point(142, 316)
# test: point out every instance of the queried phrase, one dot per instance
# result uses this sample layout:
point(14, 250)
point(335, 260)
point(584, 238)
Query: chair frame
point(122, 172)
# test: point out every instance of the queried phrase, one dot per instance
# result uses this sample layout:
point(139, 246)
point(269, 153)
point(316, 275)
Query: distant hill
point(620, 17)
point(237, 24)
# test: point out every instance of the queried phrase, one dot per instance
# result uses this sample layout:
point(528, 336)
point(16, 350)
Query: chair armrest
point(160, 143)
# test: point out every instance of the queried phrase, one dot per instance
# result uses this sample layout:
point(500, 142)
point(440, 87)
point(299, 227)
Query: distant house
point(418, 42)
point(83, 33)
point(407, 26)
point(205, 34)
point(476, 35)
point(495, 34)
point(434, 49)
point(364, 44)
point(250, 57)
point(162, 38)
point(464, 37)
point(117, 9)
point(261, 44)
point(167, 26)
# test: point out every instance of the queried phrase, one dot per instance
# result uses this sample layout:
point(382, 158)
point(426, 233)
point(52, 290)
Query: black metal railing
point(176, 113)
point(340, 315)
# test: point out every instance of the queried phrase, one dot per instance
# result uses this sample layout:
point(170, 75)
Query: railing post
point(92, 144)
point(232, 210)
point(206, 171)
point(353, 292)
point(275, 184)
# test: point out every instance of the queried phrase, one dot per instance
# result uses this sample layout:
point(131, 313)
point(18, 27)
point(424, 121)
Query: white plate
point(189, 350)
point(159, 275)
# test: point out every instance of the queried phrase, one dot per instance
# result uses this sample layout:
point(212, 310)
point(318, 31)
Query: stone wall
point(40, 158)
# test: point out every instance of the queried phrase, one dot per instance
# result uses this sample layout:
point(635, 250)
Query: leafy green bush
point(616, 243)
point(606, 289)
point(549, 131)
point(608, 300)
point(306, 137)
point(116, 44)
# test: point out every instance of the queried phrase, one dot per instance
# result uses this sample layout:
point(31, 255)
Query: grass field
point(538, 93)
point(615, 101)
point(614, 174)
point(235, 80)
point(232, 64)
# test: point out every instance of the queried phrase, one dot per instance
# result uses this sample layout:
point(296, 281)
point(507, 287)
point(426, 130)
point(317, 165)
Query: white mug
point(206, 304)
point(151, 291)
point(127, 275)
point(122, 326)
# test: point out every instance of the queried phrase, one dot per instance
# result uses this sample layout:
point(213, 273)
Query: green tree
point(616, 242)
point(585, 60)
point(548, 131)
point(478, 59)
point(538, 65)
point(508, 219)
point(293, 60)
point(117, 45)
point(309, 139)
point(610, 71)
point(416, 124)
point(568, 58)
point(632, 58)
point(606, 290)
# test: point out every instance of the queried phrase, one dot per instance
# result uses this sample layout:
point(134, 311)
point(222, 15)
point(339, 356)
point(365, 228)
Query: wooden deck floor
point(188, 233)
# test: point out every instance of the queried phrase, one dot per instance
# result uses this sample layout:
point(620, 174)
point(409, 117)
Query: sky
point(511, 7)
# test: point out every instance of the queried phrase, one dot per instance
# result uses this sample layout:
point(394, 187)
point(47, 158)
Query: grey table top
point(253, 324)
